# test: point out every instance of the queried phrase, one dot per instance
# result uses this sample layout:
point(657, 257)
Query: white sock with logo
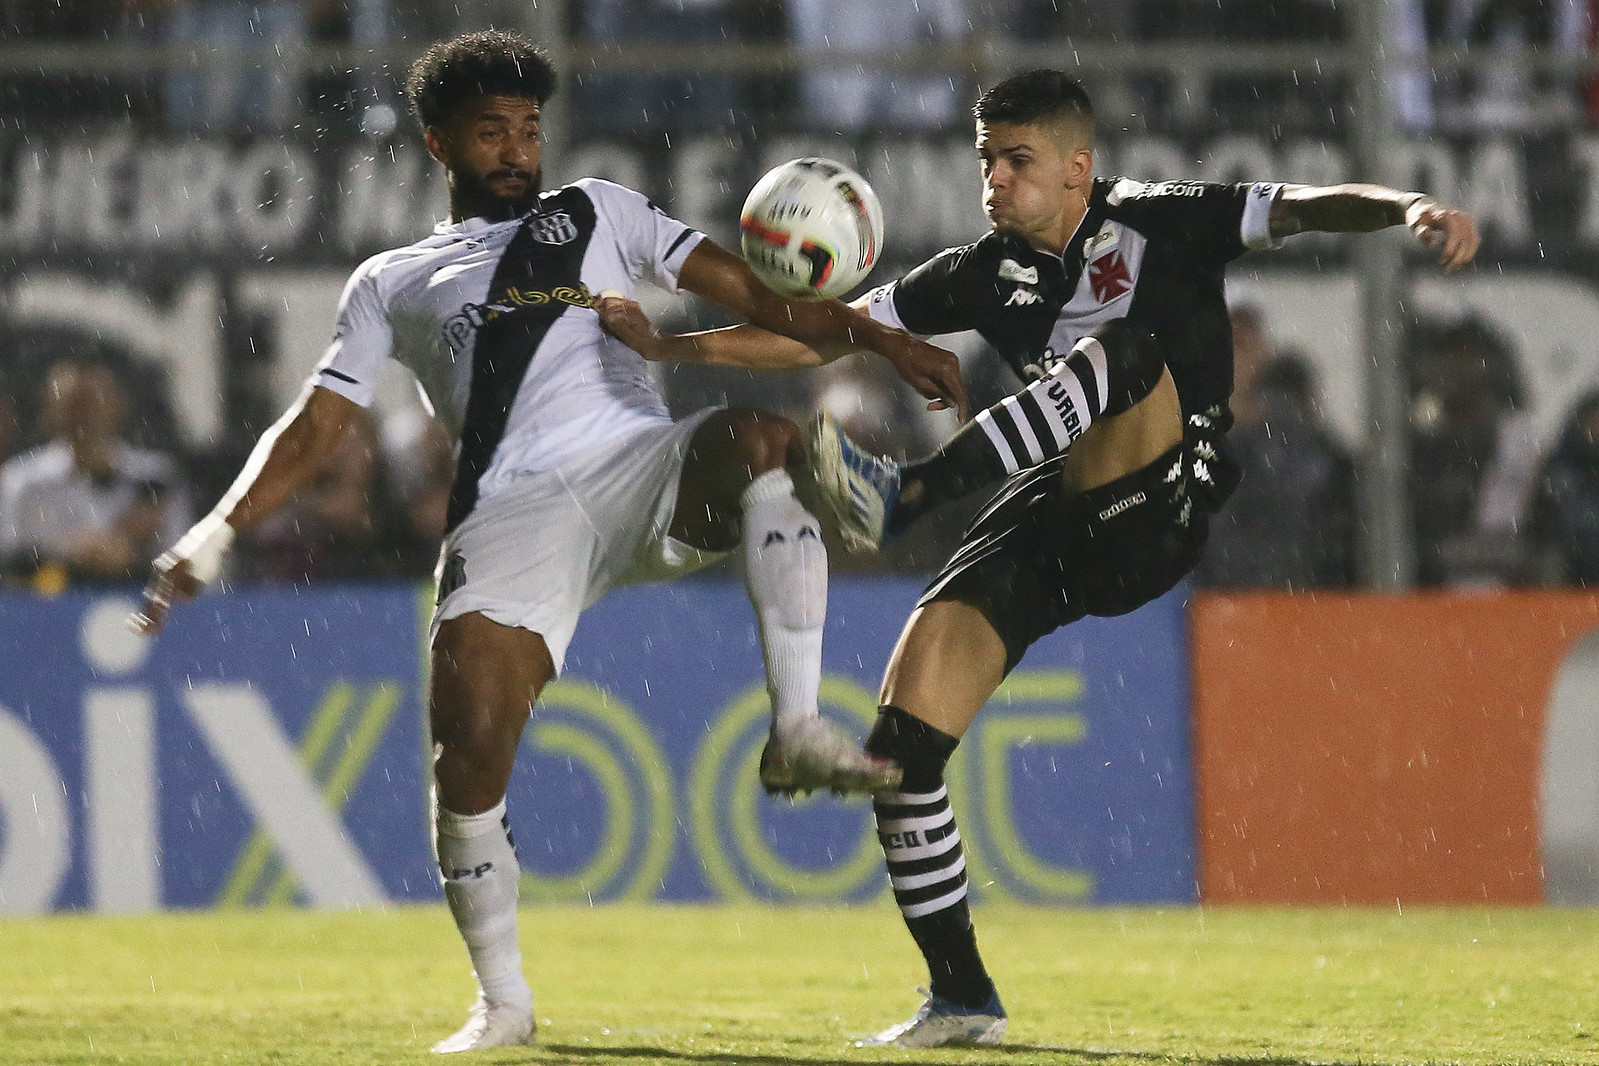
point(785, 571)
point(481, 878)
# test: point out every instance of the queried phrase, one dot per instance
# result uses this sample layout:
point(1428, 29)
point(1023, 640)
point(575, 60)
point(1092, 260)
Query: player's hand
point(1450, 230)
point(182, 571)
point(171, 580)
point(931, 371)
point(625, 320)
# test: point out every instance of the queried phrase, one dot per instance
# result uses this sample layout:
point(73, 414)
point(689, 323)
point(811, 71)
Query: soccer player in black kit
point(1107, 294)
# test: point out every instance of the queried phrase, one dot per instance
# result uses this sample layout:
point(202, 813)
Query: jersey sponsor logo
point(1022, 297)
point(1109, 276)
point(1121, 505)
point(1164, 188)
point(461, 327)
point(556, 227)
point(1011, 270)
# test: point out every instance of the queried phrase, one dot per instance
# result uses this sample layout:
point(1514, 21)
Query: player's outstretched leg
point(485, 678)
point(736, 472)
point(927, 870)
point(868, 498)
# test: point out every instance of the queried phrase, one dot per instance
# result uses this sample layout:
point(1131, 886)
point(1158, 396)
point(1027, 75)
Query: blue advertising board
point(270, 747)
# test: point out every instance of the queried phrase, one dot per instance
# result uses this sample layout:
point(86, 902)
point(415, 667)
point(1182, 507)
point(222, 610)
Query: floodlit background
point(1377, 687)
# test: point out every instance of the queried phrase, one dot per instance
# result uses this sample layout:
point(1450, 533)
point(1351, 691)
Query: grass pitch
point(784, 987)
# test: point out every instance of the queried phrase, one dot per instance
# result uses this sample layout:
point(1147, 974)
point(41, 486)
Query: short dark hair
point(486, 63)
point(1037, 96)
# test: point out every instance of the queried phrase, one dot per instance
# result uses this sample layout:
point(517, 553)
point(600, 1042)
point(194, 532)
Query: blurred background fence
point(185, 184)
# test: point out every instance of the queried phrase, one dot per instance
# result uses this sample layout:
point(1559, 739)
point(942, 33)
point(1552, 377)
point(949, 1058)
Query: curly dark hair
point(489, 62)
point(1037, 96)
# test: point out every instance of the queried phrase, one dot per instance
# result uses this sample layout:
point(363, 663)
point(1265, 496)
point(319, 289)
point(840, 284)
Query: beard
point(474, 194)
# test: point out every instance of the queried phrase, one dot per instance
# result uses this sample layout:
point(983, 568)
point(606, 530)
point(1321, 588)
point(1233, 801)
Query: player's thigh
point(730, 449)
point(948, 662)
point(1123, 444)
point(485, 677)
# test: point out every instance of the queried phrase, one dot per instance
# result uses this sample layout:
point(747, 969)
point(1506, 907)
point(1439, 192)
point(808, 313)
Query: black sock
point(926, 864)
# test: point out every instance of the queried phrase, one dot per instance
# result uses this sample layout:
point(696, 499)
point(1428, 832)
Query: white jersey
point(497, 322)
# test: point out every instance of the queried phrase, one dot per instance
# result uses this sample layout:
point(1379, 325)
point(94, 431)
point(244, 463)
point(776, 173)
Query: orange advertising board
point(1374, 749)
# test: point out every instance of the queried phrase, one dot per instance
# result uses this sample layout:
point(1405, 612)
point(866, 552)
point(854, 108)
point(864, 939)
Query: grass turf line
point(635, 985)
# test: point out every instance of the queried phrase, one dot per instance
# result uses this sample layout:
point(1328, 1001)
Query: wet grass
point(629, 986)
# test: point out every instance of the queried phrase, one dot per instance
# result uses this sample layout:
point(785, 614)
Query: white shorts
point(539, 552)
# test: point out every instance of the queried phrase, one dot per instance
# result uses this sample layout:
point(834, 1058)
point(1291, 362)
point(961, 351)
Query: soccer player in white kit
point(572, 479)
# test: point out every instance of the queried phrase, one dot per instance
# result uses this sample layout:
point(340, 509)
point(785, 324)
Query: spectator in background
point(855, 99)
point(87, 506)
point(632, 101)
point(348, 524)
point(1291, 524)
point(1566, 507)
point(1473, 458)
point(254, 84)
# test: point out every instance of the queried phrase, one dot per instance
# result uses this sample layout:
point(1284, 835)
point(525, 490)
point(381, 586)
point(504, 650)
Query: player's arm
point(1357, 208)
point(744, 346)
point(287, 456)
point(827, 327)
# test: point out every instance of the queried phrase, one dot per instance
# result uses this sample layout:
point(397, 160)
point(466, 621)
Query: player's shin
point(785, 571)
point(481, 879)
point(926, 864)
point(1106, 373)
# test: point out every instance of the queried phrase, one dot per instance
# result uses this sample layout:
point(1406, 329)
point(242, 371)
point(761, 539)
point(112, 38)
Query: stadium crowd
point(250, 88)
point(94, 476)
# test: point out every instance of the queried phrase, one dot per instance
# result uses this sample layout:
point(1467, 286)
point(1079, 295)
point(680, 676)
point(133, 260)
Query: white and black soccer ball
point(812, 229)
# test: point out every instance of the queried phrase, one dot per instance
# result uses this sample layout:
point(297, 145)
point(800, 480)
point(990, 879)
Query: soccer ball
point(812, 229)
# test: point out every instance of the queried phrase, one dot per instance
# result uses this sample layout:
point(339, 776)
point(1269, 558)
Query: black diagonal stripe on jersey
point(506, 343)
point(1029, 403)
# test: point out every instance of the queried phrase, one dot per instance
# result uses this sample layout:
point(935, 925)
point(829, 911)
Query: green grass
point(782, 987)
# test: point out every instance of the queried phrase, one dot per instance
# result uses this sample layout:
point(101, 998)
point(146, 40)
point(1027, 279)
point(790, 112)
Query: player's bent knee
point(759, 441)
point(1133, 362)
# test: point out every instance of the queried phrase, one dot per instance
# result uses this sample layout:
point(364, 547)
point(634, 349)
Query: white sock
point(785, 571)
point(481, 878)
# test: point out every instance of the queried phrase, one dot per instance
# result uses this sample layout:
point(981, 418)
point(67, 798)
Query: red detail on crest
point(1109, 276)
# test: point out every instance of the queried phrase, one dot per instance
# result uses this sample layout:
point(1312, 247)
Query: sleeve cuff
point(676, 256)
point(329, 377)
point(880, 305)
point(1255, 230)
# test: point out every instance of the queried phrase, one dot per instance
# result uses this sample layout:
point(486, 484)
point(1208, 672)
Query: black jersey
point(1153, 253)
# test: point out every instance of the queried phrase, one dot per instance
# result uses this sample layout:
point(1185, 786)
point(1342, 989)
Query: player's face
point(1035, 181)
point(491, 148)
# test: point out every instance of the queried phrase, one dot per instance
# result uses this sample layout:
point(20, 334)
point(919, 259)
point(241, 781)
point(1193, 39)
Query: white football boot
point(491, 1025)
point(856, 490)
point(943, 1023)
point(815, 753)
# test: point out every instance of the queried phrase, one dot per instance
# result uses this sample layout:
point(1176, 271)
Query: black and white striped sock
point(1043, 420)
point(1105, 373)
point(926, 863)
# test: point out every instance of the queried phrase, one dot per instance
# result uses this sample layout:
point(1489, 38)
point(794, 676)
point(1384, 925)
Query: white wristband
point(1411, 203)
point(203, 547)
